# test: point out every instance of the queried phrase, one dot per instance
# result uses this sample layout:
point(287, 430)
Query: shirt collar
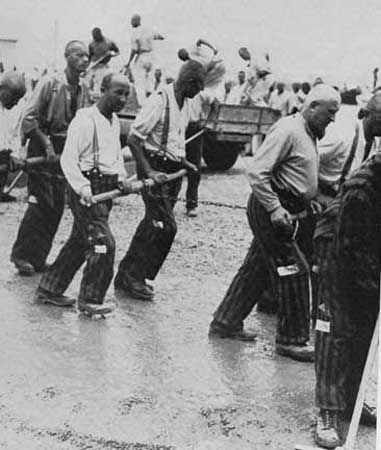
point(305, 124)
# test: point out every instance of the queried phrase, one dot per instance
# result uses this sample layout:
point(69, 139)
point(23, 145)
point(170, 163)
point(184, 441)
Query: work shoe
point(24, 267)
point(191, 212)
point(327, 429)
point(134, 288)
point(95, 309)
point(303, 353)
point(223, 332)
point(368, 415)
point(45, 297)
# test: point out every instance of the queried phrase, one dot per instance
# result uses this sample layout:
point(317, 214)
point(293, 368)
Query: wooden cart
point(229, 127)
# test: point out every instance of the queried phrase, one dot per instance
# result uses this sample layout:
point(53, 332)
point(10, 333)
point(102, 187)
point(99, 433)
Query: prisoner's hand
point(157, 177)
point(281, 218)
point(86, 196)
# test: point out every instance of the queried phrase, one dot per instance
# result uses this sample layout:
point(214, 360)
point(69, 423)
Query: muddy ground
point(148, 377)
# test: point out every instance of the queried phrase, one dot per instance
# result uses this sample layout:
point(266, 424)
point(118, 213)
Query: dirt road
point(148, 377)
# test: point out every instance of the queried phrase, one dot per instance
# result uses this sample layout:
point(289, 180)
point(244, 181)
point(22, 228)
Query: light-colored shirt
point(10, 129)
point(280, 102)
point(36, 110)
point(149, 123)
point(78, 153)
point(334, 150)
point(142, 39)
point(288, 158)
point(199, 106)
point(236, 94)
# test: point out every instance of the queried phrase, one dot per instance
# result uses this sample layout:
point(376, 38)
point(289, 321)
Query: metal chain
point(201, 202)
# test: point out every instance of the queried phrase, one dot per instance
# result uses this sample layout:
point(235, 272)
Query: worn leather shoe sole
point(238, 335)
point(303, 353)
point(94, 309)
point(327, 438)
point(48, 298)
point(145, 294)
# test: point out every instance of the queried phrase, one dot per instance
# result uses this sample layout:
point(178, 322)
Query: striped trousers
point(154, 236)
point(269, 252)
point(342, 338)
point(90, 241)
point(46, 203)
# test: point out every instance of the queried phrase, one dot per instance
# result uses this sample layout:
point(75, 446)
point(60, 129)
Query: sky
point(338, 40)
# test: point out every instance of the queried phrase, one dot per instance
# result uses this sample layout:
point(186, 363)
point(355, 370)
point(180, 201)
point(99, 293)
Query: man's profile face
point(321, 115)
point(78, 57)
point(372, 123)
point(117, 94)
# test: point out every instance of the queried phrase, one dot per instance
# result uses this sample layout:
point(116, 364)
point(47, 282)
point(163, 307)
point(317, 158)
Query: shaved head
point(13, 80)
point(320, 108)
point(73, 46)
point(192, 70)
point(112, 78)
point(322, 93)
point(135, 20)
point(12, 88)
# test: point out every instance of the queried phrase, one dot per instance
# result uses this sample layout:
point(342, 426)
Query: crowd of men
point(314, 209)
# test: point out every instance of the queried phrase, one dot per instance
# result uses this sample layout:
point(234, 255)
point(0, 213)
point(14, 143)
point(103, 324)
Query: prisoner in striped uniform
point(284, 180)
point(47, 115)
point(92, 163)
point(329, 395)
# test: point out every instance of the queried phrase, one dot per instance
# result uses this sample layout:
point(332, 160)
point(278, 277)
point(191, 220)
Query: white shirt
point(78, 153)
point(334, 150)
point(10, 124)
point(236, 93)
point(199, 106)
point(149, 122)
point(142, 39)
point(280, 101)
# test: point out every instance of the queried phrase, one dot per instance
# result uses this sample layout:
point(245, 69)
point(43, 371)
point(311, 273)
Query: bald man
point(142, 57)
point(12, 89)
point(47, 116)
point(157, 141)
point(92, 163)
point(284, 181)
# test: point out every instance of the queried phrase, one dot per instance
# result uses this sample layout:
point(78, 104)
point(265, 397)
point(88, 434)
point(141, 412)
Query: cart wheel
point(220, 155)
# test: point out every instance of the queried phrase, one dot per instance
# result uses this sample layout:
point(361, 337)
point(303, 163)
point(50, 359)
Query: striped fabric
point(153, 238)
point(329, 390)
point(91, 241)
point(41, 219)
point(270, 252)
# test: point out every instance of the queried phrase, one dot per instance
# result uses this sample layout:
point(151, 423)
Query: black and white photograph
point(190, 224)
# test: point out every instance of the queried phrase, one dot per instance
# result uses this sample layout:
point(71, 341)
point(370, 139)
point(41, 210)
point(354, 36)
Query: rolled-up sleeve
point(148, 117)
point(78, 132)
point(265, 160)
point(37, 106)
